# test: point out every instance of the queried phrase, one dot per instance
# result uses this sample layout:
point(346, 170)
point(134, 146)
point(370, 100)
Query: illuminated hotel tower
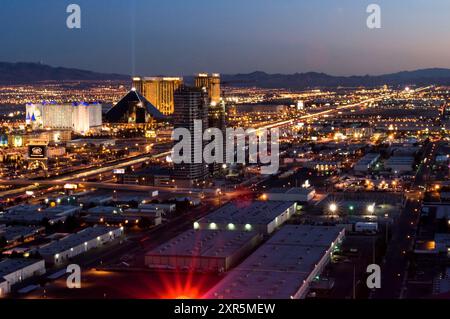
point(216, 108)
point(212, 85)
point(191, 104)
point(159, 91)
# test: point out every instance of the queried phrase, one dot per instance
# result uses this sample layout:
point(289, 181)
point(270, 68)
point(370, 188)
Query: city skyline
point(225, 150)
point(282, 37)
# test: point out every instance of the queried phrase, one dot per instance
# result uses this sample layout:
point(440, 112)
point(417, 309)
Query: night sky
point(181, 37)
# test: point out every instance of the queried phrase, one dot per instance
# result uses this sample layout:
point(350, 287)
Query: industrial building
point(203, 250)
point(295, 194)
point(261, 216)
point(79, 117)
point(14, 271)
point(164, 208)
point(117, 216)
point(62, 250)
point(15, 234)
point(35, 214)
point(365, 163)
point(400, 164)
point(282, 268)
point(152, 176)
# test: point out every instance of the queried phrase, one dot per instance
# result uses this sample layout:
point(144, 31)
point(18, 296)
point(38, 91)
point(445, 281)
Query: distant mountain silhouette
point(24, 72)
point(315, 80)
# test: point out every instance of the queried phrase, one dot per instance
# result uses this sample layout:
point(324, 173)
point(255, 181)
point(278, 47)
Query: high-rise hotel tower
point(212, 85)
point(159, 91)
point(191, 104)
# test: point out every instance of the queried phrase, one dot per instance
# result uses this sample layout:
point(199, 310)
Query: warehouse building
point(400, 164)
point(116, 216)
point(95, 200)
point(203, 250)
point(16, 234)
point(58, 252)
point(35, 214)
point(365, 163)
point(282, 268)
point(261, 216)
point(295, 194)
point(14, 271)
point(164, 208)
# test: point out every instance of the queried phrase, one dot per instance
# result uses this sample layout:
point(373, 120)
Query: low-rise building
point(400, 164)
point(261, 216)
point(365, 163)
point(95, 200)
point(295, 194)
point(116, 215)
point(36, 214)
point(165, 208)
point(150, 176)
point(283, 267)
point(62, 250)
point(14, 271)
point(203, 250)
point(16, 234)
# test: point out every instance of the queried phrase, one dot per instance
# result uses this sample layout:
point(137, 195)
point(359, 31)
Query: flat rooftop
point(258, 212)
point(278, 269)
point(74, 240)
point(205, 243)
point(396, 160)
point(306, 235)
point(9, 266)
point(14, 232)
point(35, 213)
point(293, 190)
point(368, 158)
point(110, 210)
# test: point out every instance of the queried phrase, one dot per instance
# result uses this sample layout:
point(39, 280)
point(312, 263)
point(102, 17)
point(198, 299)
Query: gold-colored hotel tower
point(159, 91)
point(211, 83)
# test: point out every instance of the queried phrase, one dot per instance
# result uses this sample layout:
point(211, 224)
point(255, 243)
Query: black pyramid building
point(134, 108)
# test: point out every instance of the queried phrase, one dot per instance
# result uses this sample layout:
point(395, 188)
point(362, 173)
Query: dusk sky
point(172, 37)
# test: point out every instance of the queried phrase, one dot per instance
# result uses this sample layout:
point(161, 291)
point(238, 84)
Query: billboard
point(119, 171)
point(37, 151)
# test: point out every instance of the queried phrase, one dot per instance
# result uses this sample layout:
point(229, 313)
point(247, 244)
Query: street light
point(371, 208)
point(333, 207)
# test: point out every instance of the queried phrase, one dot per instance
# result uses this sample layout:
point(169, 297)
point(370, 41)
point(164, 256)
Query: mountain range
point(24, 72)
point(437, 76)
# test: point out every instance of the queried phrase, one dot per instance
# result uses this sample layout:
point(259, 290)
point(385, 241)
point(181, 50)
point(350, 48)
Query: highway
point(35, 184)
point(73, 178)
